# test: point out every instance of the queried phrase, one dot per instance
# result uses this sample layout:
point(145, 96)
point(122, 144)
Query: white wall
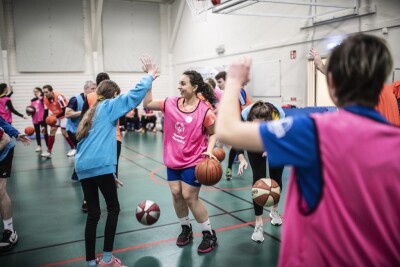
point(270, 39)
point(70, 83)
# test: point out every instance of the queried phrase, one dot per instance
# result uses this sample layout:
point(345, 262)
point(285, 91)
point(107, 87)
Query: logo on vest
point(280, 127)
point(179, 129)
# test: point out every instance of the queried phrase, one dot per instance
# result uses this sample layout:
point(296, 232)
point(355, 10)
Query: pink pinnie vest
point(39, 113)
point(357, 221)
point(5, 113)
point(184, 135)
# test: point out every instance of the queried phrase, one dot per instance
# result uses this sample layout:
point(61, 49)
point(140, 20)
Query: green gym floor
point(50, 224)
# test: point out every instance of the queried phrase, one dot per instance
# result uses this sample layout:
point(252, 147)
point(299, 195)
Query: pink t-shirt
point(185, 136)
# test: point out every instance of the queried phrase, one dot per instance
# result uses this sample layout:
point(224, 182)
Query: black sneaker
point(209, 242)
point(185, 236)
point(84, 207)
point(10, 238)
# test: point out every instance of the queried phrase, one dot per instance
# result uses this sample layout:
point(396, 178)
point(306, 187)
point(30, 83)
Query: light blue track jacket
point(96, 154)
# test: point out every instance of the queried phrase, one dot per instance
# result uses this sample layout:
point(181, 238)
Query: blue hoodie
point(96, 154)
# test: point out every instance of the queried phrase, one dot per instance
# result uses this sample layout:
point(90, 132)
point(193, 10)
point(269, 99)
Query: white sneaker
point(276, 218)
point(258, 234)
point(46, 154)
point(71, 153)
point(38, 149)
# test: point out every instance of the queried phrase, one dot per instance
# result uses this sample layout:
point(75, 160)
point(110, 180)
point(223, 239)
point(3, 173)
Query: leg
point(258, 165)
point(37, 135)
point(232, 155)
point(119, 144)
point(108, 189)
point(91, 194)
point(276, 174)
point(10, 237)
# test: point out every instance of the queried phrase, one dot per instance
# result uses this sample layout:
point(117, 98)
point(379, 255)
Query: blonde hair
point(107, 89)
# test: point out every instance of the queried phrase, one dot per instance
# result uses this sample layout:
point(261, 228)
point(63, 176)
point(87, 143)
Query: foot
point(71, 153)
point(276, 218)
point(258, 234)
point(185, 235)
point(38, 149)
point(228, 174)
point(209, 242)
point(114, 262)
point(10, 238)
point(46, 154)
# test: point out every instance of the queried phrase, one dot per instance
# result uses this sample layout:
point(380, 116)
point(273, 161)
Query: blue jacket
point(12, 132)
point(96, 154)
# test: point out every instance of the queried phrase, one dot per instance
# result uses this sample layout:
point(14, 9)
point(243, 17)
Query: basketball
point(51, 120)
point(29, 130)
point(216, 2)
point(147, 212)
point(219, 153)
point(30, 110)
point(208, 171)
point(266, 192)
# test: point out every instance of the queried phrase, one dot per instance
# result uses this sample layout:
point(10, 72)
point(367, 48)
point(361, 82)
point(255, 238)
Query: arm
point(12, 132)
point(243, 164)
point(229, 127)
point(12, 109)
point(71, 109)
point(4, 141)
point(317, 60)
point(149, 102)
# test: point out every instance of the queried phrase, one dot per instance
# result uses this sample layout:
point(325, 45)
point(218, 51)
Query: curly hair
point(204, 88)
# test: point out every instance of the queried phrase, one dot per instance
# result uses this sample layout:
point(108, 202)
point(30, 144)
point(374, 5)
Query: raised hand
point(149, 67)
point(317, 60)
point(239, 70)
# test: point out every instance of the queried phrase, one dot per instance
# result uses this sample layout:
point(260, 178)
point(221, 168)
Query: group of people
point(345, 169)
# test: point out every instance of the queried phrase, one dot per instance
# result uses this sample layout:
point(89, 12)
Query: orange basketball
point(219, 153)
point(51, 120)
point(29, 130)
point(266, 192)
point(208, 171)
point(30, 110)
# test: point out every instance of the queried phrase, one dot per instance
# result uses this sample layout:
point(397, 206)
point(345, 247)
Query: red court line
point(155, 243)
point(207, 188)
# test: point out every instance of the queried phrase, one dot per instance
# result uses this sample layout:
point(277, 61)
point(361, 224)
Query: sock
point(206, 226)
point(52, 138)
point(71, 144)
point(91, 263)
point(185, 221)
point(107, 256)
point(8, 224)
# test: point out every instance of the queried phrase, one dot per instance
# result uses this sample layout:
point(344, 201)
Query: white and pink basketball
point(266, 192)
point(147, 212)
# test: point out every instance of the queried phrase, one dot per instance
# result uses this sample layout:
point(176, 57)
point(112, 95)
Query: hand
point(149, 67)
point(317, 60)
point(25, 117)
point(242, 166)
point(210, 155)
point(239, 70)
point(25, 140)
point(264, 154)
point(42, 130)
point(119, 183)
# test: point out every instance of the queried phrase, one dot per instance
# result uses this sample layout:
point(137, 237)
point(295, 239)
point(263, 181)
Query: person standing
point(9, 237)
point(6, 106)
point(189, 122)
point(73, 113)
point(95, 161)
point(56, 103)
point(38, 118)
point(258, 112)
point(342, 162)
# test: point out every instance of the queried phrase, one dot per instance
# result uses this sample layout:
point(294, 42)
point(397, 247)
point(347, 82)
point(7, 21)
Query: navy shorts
point(6, 164)
point(186, 175)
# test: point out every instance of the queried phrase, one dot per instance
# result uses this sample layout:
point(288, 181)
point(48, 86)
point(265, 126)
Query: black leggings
point(37, 133)
point(258, 165)
point(108, 189)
